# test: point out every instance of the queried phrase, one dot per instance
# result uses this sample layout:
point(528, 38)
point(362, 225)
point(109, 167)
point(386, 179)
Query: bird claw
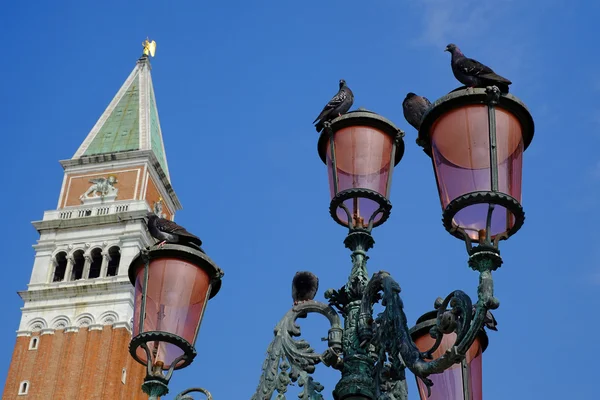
point(161, 244)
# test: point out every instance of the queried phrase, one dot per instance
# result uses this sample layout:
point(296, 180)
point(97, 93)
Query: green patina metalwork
point(155, 135)
point(185, 394)
point(375, 351)
point(155, 388)
point(290, 360)
point(121, 130)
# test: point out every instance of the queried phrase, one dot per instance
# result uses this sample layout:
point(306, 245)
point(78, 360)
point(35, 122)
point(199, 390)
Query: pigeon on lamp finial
point(304, 286)
point(338, 105)
point(472, 73)
point(169, 232)
point(414, 108)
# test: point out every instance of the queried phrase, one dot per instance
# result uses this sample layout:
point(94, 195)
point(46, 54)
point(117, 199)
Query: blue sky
point(237, 86)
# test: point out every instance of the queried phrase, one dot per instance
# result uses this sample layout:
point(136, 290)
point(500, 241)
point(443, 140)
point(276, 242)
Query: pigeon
point(472, 73)
point(415, 107)
point(169, 232)
point(338, 105)
point(488, 321)
point(304, 286)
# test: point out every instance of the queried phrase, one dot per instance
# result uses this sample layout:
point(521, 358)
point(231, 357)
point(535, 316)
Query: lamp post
point(475, 138)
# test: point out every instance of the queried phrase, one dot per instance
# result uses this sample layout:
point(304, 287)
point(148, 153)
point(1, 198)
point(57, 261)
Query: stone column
point(105, 260)
point(69, 270)
point(52, 269)
point(86, 266)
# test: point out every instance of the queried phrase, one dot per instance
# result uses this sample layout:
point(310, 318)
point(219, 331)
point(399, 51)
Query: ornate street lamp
point(476, 138)
point(461, 381)
point(172, 287)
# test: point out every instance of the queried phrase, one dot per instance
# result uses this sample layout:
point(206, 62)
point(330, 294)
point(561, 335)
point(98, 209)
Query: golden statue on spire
point(149, 47)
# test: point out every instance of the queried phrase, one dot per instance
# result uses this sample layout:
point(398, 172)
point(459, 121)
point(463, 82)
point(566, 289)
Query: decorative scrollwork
point(184, 395)
point(391, 383)
point(389, 331)
point(290, 360)
point(311, 389)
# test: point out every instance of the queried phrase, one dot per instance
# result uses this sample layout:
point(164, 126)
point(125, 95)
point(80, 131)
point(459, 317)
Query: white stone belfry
point(119, 173)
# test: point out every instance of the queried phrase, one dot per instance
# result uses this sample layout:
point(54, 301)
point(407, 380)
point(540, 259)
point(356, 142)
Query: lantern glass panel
point(461, 156)
point(175, 301)
point(449, 384)
point(363, 160)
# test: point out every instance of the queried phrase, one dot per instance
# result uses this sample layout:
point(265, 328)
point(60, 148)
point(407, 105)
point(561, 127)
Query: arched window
point(24, 387)
point(33, 343)
point(78, 264)
point(96, 264)
point(60, 266)
point(115, 258)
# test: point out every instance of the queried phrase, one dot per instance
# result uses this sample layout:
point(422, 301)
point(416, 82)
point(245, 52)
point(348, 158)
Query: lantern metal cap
point(428, 321)
point(184, 253)
point(463, 96)
point(363, 117)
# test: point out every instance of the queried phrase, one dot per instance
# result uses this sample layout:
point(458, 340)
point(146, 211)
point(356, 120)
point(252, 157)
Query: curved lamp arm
point(390, 329)
point(184, 395)
point(297, 356)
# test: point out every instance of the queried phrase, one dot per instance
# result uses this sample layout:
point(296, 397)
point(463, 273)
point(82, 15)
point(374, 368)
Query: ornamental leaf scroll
point(289, 360)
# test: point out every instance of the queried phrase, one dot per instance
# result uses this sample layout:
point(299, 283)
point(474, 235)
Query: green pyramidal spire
point(130, 122)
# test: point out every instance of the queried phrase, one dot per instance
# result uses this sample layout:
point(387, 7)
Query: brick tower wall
point(83, 364)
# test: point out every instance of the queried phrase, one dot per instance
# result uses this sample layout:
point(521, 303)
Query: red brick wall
point(76, 365)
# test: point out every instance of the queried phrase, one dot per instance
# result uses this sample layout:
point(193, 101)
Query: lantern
point(476, 139)
point(462, 381)
point(172, 286)
point(360, 149)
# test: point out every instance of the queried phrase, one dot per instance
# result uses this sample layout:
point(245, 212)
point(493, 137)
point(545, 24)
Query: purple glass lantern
point(476, 139)
point(360, 149)
point(172, 287)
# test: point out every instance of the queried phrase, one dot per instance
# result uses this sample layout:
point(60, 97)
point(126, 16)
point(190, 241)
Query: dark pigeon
point(489, 321)
point(338, 105)
point(304, 286)
point(415, 107)
point(472, 73)
point(169, 232)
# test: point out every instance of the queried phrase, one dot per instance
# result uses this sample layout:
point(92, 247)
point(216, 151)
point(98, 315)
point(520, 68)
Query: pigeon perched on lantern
point(472, 73)
point(167, 231)
point(304, 286)
point(415, 107)
point(338, 105)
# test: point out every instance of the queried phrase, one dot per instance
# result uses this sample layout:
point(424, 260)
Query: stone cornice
point(75, 329)
point(69, 290)
point(87, 221)
point(147, 155)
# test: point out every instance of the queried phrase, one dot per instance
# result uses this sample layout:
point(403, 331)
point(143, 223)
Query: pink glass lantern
point(360, 149)
point(172, 287)
point(462, 381)
point(476, 139)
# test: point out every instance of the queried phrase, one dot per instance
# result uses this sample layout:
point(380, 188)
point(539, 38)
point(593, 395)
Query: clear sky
point(238, 84)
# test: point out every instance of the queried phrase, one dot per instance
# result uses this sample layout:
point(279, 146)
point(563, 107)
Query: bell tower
point(73, 337)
